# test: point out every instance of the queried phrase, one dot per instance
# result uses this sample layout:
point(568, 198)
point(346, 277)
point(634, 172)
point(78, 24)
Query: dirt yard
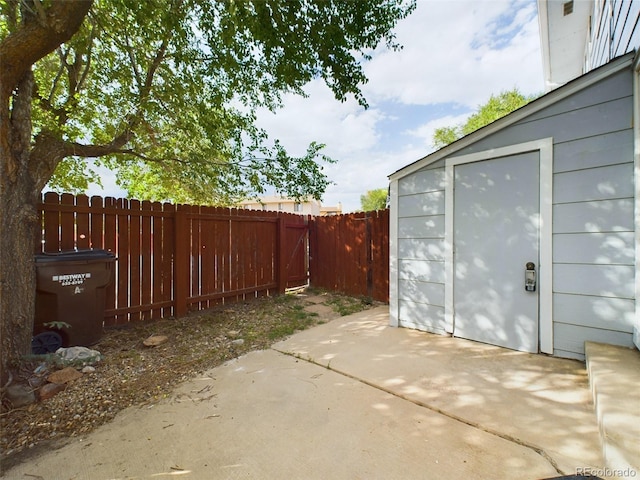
point(132, 374)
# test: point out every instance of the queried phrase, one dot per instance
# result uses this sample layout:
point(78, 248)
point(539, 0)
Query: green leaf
point(374, 200)
point(166, 92)
point(496, 107)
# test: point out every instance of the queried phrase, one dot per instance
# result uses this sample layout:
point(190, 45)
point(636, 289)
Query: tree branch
point(36, 38)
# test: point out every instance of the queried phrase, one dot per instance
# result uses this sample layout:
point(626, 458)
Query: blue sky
point(456, 54)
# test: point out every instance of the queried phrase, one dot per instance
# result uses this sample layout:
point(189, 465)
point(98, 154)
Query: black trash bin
point(70, 288)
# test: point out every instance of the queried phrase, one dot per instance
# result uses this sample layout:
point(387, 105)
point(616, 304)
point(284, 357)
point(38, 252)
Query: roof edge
point(614, 66)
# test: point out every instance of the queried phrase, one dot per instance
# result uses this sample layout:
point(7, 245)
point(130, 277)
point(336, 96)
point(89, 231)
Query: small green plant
point(347, 305)
point(294, 320)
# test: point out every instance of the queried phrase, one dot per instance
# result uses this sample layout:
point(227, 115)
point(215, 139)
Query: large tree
point(374, 200)
point(166, 92)
point(496, 107)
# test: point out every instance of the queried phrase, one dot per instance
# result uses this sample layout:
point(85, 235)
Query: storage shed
point(524, 233)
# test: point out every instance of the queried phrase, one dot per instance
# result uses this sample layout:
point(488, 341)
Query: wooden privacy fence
point(174, 259)
point(350, 253)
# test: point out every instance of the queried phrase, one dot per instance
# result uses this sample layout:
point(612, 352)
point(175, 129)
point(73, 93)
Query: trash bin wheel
point(46, 342)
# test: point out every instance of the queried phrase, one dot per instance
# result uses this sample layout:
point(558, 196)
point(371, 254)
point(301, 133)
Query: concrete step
point(614, 375)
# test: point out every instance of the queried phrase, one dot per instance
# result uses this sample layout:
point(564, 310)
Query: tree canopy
point(496, 107)
point(165, 92)
point(374, 200)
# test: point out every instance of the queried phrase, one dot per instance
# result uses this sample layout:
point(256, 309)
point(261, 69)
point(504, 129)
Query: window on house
point(279, 206)
point(297, 207)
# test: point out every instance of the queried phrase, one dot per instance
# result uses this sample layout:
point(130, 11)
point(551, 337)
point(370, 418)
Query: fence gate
point(295, 254)
point(350, 254)
point(172, 259)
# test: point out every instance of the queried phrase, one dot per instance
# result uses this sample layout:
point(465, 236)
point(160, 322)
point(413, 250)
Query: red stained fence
point(175, 259)
point(350, 253)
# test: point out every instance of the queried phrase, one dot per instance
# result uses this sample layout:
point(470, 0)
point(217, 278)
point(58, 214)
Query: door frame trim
point(545, 272)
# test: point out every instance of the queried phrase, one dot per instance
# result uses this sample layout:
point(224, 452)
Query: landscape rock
point(65, 375)
point(155, 340)
point(50, 390)
point(20, 395)
point(238, 342)
point(88, 369)
point(78, 356)
point(128, 375)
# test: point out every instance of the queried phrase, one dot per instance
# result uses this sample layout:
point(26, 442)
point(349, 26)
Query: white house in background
point(580, 35)
point(283, 204)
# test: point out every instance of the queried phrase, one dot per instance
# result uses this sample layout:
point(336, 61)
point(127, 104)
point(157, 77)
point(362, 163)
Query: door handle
point(530, 277)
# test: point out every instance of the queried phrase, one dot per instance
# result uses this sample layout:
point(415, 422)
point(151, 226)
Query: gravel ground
point(133, 374)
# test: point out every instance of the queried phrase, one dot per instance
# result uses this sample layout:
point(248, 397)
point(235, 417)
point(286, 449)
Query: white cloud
point(425, 131)
point(448, 54)
point(455, 52)
point(345, 127)
point(109, 187)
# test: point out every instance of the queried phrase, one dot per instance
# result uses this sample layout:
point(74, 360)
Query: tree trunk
point(22, 175)
point(18, 229)
point(19, 198)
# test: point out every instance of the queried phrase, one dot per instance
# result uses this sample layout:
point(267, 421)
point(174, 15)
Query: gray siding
point(602, 109)
point(593, 222)
point(593, 219)
point(614, 31)
point(421, 249)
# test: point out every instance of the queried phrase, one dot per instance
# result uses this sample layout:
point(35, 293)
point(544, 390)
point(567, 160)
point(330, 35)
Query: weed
point(344, 305)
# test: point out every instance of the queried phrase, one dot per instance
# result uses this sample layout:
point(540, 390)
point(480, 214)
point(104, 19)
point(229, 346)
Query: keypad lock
point(530, 277)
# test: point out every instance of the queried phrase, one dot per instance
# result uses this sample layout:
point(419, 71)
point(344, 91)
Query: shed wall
point(421, 231)
point(593, 219)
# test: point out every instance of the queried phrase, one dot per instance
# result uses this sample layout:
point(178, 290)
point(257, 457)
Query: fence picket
point(166, 245)
point(146, 259)
point(172, 259)
point(96, 221)
point(82, 222)
point(51, 223)
point(67, 223)
point(135, 278)
point(110, 244)
point(122, 266)
point(350, 254)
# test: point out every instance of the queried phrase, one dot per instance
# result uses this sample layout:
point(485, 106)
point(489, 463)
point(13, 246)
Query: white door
point(496, 233)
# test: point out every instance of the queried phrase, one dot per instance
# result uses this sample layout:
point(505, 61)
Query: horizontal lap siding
point(421, 231)
point(615, 31)
point(593, 219)
point(599, 47)
point(593, 242)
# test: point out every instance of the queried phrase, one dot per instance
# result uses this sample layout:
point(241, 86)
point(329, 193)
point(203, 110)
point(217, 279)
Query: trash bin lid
point(75, 255)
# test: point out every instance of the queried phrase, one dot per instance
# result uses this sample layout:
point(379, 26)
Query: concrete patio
point(349, 399)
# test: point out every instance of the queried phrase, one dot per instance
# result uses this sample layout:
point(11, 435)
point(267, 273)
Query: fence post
point(182, 245)
point(281, 260)
point(368, 243)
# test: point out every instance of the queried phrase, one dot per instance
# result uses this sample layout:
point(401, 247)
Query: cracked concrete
point(540, 402)
point(352, 399)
